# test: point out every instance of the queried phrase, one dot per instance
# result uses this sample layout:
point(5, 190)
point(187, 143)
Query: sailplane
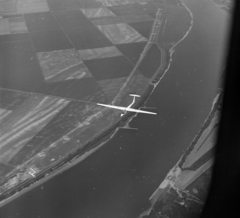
point(128, 108)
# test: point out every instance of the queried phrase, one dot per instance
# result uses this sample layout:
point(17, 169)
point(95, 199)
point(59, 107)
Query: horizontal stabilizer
point(134, 95)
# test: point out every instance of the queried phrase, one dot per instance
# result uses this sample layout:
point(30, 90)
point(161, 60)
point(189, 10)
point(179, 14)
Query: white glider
point(128, 108)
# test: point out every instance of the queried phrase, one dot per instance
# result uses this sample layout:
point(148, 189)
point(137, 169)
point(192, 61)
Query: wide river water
point(118, 179)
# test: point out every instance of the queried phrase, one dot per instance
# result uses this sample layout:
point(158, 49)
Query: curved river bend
point(118, 179)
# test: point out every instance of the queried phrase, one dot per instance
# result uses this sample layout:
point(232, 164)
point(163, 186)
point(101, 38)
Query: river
point(118, 179)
